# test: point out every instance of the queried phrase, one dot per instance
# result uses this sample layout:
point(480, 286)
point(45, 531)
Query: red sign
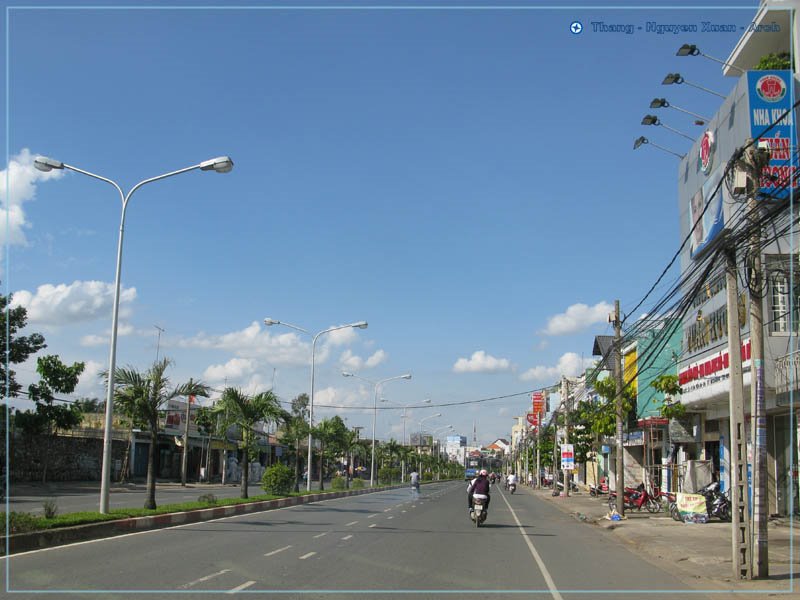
point(538, 402)
point(533, 419)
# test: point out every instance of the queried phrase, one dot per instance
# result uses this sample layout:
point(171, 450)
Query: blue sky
point(463, 180)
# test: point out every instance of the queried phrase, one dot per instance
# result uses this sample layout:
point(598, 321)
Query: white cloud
point(352, 362)
point(90, 383)
point(66, 304)
point(379, 357)
point(570, 365)
point(94, 340)
point(480, 362)
point(577, 318)
point(18, 185)
point(235, 370)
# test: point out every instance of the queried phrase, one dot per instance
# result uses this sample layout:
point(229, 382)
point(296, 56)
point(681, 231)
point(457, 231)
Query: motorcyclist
point(479, 485)
point(512, 480)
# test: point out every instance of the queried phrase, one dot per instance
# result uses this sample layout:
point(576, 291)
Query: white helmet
point(484, 472)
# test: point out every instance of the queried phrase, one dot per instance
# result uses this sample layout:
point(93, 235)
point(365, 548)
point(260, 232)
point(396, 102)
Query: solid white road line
point(305, 556)
point(351, 523)
point(347, 537)
point(539, 562)
point(278, 550)
point(202, 579)
point(238, 588)
point(321, 534)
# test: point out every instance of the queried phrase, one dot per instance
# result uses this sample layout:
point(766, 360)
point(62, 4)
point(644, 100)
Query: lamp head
point(687, 50)
point(406, 376)
point(650, 120)
point(360, 325)
point(42, 163)
point(270, 322)
point(639, 141)
point(672, 78)
point(221, 164)
point(659, 103)
point(347, 374)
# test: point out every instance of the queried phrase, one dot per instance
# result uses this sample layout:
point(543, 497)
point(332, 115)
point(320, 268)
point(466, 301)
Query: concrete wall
point(68, 458)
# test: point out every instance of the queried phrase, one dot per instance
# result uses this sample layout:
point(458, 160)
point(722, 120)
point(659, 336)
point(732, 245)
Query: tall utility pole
point(185, 457)
point(620, 471)
point(741, 543)
point(752, 163)
point(565, 400)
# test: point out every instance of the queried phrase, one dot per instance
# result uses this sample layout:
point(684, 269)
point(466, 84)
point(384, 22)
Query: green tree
point(140, 397)
point(330, 434)
point(89, 405)
point(246, 412)
point(295, 431)
point(671, 407)
point(350, 446)
point(47, 418)
point(20, 347)
point(774, 62)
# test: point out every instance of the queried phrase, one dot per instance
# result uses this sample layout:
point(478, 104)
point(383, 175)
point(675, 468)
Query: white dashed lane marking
point(206, 578)
point(351, 523)
point(278, 550)
point(305, 556)
point(321, 534)
point(239, 588)
point(347, 537)
point(374, 525)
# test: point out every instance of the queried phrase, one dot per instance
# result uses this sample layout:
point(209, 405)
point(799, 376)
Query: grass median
point(19, 522)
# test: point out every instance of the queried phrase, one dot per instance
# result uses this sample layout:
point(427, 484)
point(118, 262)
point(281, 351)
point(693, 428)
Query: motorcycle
point(479, 512)
point(598, 490)
point(717, 503)
point(635, 498)
point(512, 487)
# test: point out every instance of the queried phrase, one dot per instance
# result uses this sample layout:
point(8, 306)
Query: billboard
point(427, 439)
point(770, 95)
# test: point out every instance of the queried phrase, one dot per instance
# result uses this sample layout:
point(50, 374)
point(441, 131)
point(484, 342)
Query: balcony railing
point(787, 377)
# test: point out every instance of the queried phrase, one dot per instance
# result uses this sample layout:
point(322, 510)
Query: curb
point(47, 538)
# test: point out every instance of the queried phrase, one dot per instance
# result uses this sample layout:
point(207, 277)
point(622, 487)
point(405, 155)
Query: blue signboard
point(771, 94)
point(706, 226)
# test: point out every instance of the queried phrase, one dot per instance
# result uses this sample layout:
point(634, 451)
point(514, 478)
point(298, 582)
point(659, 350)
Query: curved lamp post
point(375, 413)
point(222, 164)
point(358, 325)
point(421, 421)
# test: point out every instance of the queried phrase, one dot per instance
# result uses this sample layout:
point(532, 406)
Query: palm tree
point(405, 453)
point(329, 433)
point(140, 396)
point(350, 445)
point(295, 432)
point(246, 412)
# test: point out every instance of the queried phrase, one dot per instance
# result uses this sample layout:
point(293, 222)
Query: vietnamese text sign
point(567, 457)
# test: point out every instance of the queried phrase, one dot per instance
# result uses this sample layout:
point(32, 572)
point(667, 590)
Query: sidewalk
point(699, 554)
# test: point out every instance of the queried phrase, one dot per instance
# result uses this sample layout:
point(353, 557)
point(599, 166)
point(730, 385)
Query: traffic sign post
point(567, 457)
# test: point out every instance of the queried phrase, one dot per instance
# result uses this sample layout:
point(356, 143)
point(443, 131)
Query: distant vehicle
point(470, 474)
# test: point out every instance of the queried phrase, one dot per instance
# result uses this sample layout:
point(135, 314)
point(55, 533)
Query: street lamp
point(419, 442)
point(269, 323)
point(375, 413)
point(663, 103)
point(692, 50)
point(677, 79)
point(641, 140)
point(654, 120)
point(222, 164)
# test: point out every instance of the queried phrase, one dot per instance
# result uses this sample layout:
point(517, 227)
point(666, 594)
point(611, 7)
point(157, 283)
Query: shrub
point(19, 522)
point(338, 483)
point(278, 480)
point(357, 483)
point(387, 475)
point(50, 509)
point(207, 498)
point(427, 476)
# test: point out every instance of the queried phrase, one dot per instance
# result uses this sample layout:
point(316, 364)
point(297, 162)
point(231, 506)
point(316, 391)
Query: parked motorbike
point(479, 512)
point(635, 498)
point(597, 490)
point(717, 503)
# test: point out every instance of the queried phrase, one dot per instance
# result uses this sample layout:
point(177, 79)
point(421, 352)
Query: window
point(781, 318)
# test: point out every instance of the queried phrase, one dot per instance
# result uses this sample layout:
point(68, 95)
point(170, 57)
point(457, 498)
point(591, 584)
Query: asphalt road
point(374, 546)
